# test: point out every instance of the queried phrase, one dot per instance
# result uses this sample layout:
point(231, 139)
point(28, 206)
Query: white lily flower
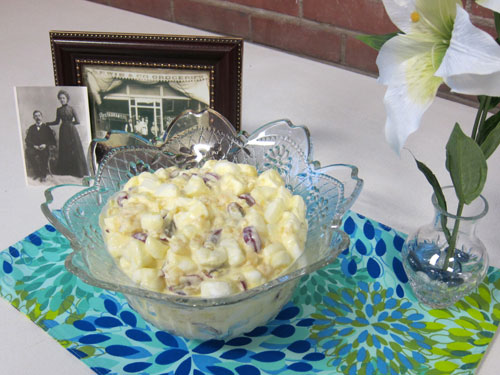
point(439, 38)
point(494, 5)
point(472, 62)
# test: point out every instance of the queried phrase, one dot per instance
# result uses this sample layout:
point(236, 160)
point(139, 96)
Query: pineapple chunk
point(280, 259)
point(235, 256)
point(253, 277)
point(270, 178)
point(196, 187)
point(255, 219)
point(152, 223)
point(182, 262)
point(262, 194)
point(133, 182)
point(115, 243)
point(136, 254)
point(213, 288)
point(148, 182)
point(248, 170)
point(233, 184)
point(274, 210)
point(150, 278)
point(223, 167)
point(209, 258)
point(284, 194)
point(156, 248)
point(297, 206)
point(167, 190)
point(292, 246)
point(271, 250)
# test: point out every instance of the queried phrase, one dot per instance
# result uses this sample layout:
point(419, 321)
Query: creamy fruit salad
point(209, 232)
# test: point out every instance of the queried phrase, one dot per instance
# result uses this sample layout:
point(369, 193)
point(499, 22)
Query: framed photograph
point(140, 83)
point(54, 126)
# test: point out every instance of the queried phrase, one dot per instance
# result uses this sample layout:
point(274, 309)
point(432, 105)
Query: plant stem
point(450, 251)
point(479, 114)
point(482, 112)
point(483, 117)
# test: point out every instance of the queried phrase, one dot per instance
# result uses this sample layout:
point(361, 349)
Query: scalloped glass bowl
point(192, 139)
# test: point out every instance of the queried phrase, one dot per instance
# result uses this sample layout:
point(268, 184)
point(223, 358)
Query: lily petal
point(399, 11)
point(408, 96)
point(471, 64)
point(474, 84)
point(494, 5)
point(396, 51)
point(403, 115)
point(436, 17)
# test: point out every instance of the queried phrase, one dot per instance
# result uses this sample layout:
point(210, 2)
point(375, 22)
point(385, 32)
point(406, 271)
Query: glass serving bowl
point(190, 140)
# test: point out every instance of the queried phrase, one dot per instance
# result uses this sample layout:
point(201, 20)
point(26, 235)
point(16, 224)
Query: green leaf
point(434, 326)
point(395, 347)
point(66, 304)
point(438, 192)
point(489, 125)
point(351, 357)
point(467, 165)
point(491, 142)
point(467, 324)
point(497, 24)
point(440, 313)
point(376, 41)
point(446, 366)
point(30, 303)
point(369, 340)
point(485, 293)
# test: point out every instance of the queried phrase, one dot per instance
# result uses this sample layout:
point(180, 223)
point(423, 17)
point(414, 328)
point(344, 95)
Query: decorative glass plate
point(192, 139)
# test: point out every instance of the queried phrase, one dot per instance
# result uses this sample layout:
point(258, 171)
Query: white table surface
point(342, 109)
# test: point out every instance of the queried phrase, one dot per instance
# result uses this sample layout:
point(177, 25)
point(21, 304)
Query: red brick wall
point(321, 29)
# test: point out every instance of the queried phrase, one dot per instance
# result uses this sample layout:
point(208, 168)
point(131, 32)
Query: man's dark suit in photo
point(40, 138)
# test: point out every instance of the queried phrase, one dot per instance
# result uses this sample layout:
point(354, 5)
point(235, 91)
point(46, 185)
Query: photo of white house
point(143, 100)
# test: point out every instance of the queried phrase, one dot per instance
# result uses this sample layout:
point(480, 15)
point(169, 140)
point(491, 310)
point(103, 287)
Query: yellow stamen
point(415, 17)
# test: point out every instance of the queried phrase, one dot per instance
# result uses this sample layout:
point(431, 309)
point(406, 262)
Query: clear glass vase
point(439, 277)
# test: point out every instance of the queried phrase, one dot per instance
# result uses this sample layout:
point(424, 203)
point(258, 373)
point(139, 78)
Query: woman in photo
point(71, 160)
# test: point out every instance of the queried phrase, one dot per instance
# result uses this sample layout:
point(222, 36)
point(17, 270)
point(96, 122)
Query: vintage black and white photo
point(142, 100)
point(140, 82)
point(54, 129)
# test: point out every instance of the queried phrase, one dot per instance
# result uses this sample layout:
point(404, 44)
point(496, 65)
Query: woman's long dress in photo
point(71, 160)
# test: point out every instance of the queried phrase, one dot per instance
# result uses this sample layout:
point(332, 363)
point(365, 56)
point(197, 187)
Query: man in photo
point(54, 151)
point(40, 139)
point(129, 127)
point(141, 127)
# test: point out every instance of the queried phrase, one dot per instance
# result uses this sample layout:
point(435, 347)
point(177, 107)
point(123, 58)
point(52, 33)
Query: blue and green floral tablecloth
point(356, 316)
